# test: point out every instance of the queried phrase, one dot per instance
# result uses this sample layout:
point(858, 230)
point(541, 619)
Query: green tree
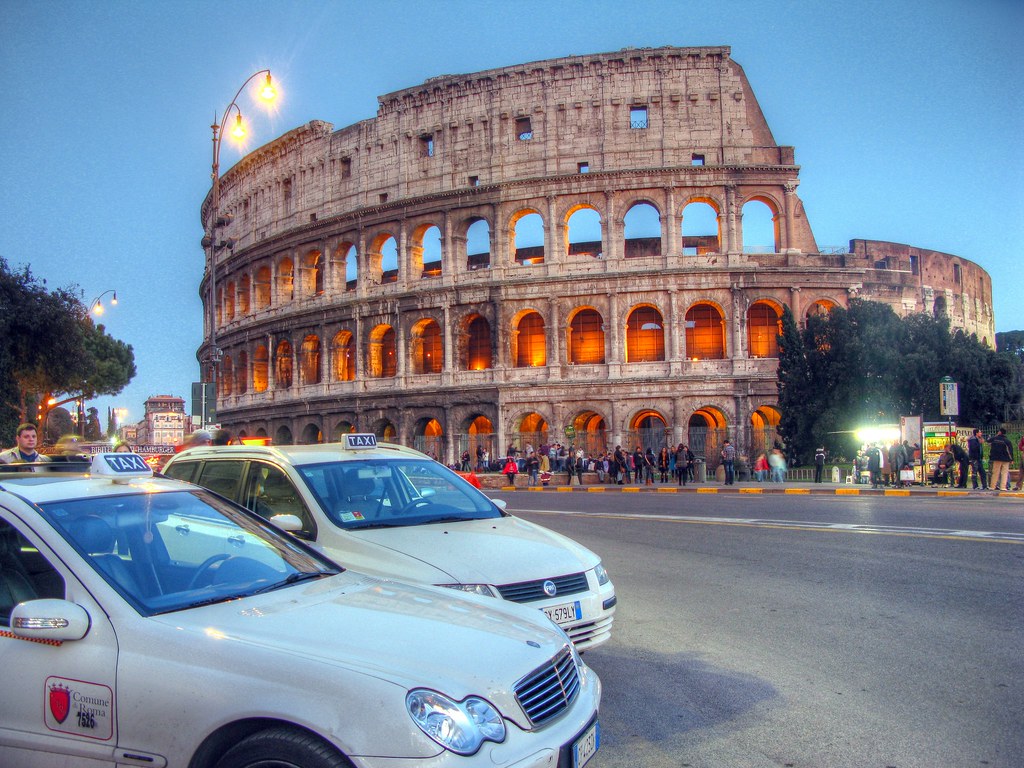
point(51, 353)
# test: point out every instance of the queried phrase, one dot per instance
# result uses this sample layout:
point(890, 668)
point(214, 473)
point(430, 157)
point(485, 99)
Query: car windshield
point(170, 551)
point(388, 493)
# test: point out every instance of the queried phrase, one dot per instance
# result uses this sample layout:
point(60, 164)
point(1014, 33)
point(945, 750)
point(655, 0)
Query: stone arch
point(650, 429)
point(820, 307)
point(530, 429)
point(309, 360)
point(764, 324)
point(641, 229)
point(586, 338)
point(285, 279)
point(260, 369)
point(529, 342)
point(343, 356)
point(348, 255)
point(427, 347)
point(227, 375)
point(428, 437)
point(476, 349)
point(645, 335)
point(342, 428)
point(476, 236)
point(244, 295)
point(229, 301)
point(481, 437)
point(264, 280)
point(706, 432)
point(283, 363)
point(383, 353)
point(242, 373)
point(311, 435)
point(283, 436)
point(764, 429)
point(526, 237)
point(590, 432)
point(705, 331)
point(701, 226)
point(583, 231)
point(761, 229)
point(312, 273)
point(425, 255)
point(382, 259)
point(385, 429)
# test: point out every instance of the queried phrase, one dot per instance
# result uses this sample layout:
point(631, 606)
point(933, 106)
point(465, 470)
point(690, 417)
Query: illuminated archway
point(586, 337)
point(706, 433)
point(311, 435)
point(589, 432)
point(341, 429)
point(645, 335)
point(764, 324)
point(383, 363)
point(283, 362)
point(309, 360)
point(428, 437)
point(477, 353)
point(427, 347)
point(705, 332)
point(764, 429)
point(260, 369)
point(343, 356)
point(529, 345)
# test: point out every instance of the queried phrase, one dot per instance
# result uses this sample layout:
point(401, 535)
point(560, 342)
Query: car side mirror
point(499, 503)
point(50, 620)
point(290, 523)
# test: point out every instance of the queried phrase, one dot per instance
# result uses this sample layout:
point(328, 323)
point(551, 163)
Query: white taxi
point(391, 511)
point(147, 622)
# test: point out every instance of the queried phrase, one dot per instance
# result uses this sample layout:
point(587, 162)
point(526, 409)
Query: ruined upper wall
point(457, 131)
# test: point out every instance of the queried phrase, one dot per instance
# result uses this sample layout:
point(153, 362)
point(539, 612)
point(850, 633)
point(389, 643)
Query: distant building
point(594, 249)
point(165, 421)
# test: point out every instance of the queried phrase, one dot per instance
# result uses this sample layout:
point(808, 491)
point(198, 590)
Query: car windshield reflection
point(172, 551)
point(391, 493)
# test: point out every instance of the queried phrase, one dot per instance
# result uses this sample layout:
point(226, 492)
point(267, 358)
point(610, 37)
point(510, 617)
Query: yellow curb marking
point(847, 491)
point(894, 492)
point(707, 490)
point(667, 490)
point(750, 490)
point(598, 489)
point(797, 490)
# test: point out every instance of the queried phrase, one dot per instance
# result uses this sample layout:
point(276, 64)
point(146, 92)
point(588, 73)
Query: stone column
point(789, 189)
point(671, 238)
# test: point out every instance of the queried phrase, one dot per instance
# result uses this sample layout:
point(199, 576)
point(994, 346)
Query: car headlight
point(459, 726)
point(602, 574)
point(473, 589)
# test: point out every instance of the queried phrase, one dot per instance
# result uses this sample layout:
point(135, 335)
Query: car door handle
point(182, 529)
point(238, 541)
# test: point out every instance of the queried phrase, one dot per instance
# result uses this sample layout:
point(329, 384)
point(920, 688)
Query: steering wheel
point(205, 567)
point(414, 504)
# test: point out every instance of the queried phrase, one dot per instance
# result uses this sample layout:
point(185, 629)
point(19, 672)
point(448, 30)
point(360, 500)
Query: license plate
point(585, 747)
point(560, 614)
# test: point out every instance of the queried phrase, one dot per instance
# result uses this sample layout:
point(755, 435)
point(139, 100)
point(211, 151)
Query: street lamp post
point(96, 305)
point(216, 221)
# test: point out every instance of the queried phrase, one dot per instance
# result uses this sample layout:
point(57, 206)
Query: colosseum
point(592, 250)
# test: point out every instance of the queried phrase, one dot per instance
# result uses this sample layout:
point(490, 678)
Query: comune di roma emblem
point(60, 702)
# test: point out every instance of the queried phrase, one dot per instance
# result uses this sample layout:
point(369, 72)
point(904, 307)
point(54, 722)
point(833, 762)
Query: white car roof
point(297, 455)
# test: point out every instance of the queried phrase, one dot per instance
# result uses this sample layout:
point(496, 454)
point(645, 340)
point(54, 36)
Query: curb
point(762, 490)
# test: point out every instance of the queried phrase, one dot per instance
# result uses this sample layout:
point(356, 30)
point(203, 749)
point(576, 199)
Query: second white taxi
point(391, 511)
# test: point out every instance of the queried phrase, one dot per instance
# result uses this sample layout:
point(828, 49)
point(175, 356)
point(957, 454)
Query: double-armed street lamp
point(267, 92)
point(96, 305)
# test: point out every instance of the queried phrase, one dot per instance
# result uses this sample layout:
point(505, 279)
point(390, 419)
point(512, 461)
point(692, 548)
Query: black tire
point(283, 748)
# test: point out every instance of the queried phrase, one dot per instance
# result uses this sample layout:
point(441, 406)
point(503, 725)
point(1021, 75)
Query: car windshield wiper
point(294, 578)
point(401, 524)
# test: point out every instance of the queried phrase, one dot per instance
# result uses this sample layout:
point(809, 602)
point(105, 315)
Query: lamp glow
point(239, 130)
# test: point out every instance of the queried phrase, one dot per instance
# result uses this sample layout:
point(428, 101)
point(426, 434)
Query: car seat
point(96, 538)
point(15, 583)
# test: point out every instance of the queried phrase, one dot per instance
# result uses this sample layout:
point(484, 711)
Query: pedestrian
point(197, 439)
point(962, 462)
point(944, 467)
point(777, 465)
point(24, 451)
point(729, 462)
point(819, 464)
point(220, 437)
point(1000, 454)
point(532, 468)
point(875, 465)
point(663, 463)
point(1020, 471)
point(511, 470)
point(762, 468)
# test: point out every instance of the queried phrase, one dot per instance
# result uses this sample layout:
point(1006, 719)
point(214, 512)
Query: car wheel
point(282, 748)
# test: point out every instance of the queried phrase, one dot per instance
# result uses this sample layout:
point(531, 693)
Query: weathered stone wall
point(312, 212)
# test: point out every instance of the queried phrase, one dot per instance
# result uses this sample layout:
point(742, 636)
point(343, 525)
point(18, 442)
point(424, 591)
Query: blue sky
point(906, 118)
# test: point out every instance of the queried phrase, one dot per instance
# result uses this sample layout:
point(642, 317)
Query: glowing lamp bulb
point(268, 92)
point(239, 130)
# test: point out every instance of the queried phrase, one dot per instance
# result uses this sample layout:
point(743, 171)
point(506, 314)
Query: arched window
point(350, 256)
point(478, 355)
point(760, 227)
point(283, 365)
point(263, 281)
point(586, 338)
point(227, 375)
point(529, 346)
point(478, 245)
point(585, 233)
point(309, 360)
point(313, 279)
point(244, 289)
point(645, 336)
point(383, 357)
point(705, 333)
point(427, 347)
point(763, 328)
point(701, 229)
point(285, 280)
point(229, 302)
point(242, 373)
point(389, 261)
point(642, 231)
point(426, 251)
point(528, 238)
point(344, 357)
point(260, 369)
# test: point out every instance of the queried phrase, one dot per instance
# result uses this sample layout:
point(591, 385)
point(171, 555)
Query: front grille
point(549, 690)
point(528, 591)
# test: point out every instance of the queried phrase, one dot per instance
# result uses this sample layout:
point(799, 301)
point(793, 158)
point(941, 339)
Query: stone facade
point(550, 251)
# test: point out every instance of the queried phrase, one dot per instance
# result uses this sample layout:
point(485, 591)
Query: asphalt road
point(805, 631)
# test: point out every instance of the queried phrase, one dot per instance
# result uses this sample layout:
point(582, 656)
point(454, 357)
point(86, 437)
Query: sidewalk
point(741, 487)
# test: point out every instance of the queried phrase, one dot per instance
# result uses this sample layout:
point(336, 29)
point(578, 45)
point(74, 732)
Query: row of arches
point(704, 431)
point(647, 337)
point(423, 253)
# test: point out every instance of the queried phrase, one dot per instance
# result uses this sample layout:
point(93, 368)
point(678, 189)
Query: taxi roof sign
point(359, 441)
point(120, 466)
